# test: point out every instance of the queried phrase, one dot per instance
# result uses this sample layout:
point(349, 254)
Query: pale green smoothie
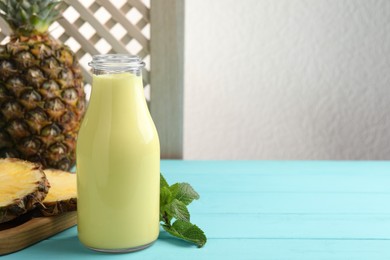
point(118, 166)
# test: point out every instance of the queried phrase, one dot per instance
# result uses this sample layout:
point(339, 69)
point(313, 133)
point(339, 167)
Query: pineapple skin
point(28, 202)
point(42, 101)
point(55, 208)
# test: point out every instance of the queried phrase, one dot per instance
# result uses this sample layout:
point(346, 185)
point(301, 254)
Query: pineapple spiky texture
point(42, 99)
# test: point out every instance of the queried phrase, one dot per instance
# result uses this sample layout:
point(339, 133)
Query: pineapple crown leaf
point(27, 17)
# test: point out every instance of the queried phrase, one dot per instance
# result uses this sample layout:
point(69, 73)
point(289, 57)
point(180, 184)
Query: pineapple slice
point(22, 185)
point(62, 196)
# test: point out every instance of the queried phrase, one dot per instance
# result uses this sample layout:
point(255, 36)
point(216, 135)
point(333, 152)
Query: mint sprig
point(174, 200)
point(187, 231)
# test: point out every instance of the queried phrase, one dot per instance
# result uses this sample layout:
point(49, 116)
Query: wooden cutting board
point(28, 230)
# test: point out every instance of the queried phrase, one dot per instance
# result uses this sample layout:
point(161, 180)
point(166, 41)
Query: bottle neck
point(116, 64)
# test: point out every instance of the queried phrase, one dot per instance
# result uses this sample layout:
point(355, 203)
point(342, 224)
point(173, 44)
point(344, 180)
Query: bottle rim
point(116, 62)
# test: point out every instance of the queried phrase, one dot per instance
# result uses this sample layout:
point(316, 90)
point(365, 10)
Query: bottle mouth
point(116, 62)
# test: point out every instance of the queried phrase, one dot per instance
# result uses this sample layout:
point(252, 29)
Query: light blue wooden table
point(267, 210)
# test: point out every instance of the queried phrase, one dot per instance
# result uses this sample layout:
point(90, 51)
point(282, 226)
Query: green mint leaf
point(173, 204)
point(187, 231)
point(163, 182)
point(184, 192)
point(165, 196)
point(177, 209)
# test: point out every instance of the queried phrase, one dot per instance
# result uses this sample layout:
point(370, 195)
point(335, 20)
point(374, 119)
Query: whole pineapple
point(42, 99)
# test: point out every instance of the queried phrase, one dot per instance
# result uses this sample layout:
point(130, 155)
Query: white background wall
point(287, 79)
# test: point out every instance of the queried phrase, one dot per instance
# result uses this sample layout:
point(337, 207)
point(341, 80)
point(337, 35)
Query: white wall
point(287, 79)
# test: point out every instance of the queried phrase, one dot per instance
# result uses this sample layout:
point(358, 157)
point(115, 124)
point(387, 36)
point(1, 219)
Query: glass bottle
point(118, 160)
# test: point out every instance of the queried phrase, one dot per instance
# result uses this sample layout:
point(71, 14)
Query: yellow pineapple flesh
point(62, 196)
point(23, 185)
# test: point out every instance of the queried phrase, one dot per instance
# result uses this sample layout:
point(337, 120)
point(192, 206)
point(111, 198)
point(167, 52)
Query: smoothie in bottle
point(118, 160)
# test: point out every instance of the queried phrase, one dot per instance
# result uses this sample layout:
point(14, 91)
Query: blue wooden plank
point(289, 226)
point(325, 203)
point(285, 182)
point(70, 248)
point(183, 167)
point(295, 226)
